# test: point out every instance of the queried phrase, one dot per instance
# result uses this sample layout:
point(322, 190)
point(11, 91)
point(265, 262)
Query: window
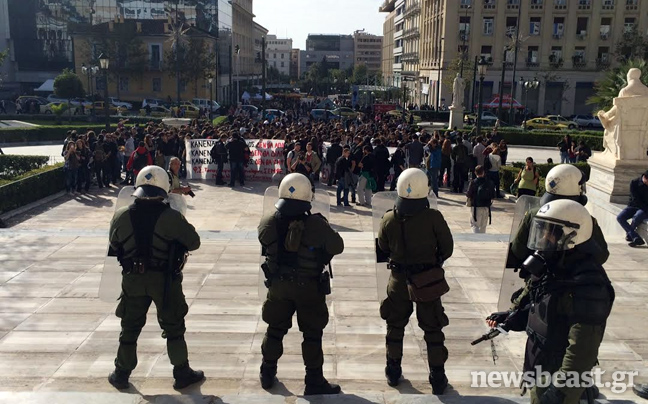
point(629, 25)
point(282, 64)
point(604, 54)
point(488, 25)
point(274, 64)
point(123, 84)
point(282, 55)
point(581, 27)
point(464, 27)
point(274, 55)
point(534, 28)
point(555, 59)
point(579, 56)
point(487, 53)
point(606, 24)
point(511, 26)
point(155, 52)
point(558, 27)
point(183, 86)
point(157, 84)
point(532, 55)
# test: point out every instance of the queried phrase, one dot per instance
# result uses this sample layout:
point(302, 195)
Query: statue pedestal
point(624, 159)
point(456, 117)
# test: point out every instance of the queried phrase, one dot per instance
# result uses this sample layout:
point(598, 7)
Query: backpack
point(99, 154)
point(140, 161)
point(485, 193)
point(487, 163)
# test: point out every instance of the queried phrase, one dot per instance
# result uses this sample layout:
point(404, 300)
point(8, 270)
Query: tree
point(3, 56)
point(68, 85)
point(360, 74)
point(190, 60)
point(454, 67)
point(632, 45)
point(607, 89)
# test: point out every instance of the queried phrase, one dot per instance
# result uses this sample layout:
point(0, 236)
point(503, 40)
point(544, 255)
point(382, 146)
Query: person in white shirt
point(493, 171)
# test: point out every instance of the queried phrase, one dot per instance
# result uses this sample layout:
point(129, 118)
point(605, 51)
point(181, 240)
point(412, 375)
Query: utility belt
point(323, 280)
point(410, 269)
point(130, 266)
point(425, 282)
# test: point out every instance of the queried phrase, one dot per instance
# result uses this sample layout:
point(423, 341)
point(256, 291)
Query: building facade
point(278, 53)
point(368, 50)
point(387, 63)
point(565, 45)
point(42, 38)
point(294, 64)
point(260, 32)
point(337, 50)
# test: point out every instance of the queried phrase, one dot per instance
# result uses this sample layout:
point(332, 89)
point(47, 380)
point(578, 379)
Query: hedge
point(80, 119)
point(31, 187)
point(12, 166)
point(45, 133)
point(509, 173)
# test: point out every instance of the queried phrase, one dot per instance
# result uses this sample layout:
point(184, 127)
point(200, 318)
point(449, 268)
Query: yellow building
point(142, 63)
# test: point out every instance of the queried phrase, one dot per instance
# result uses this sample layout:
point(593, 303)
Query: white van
point(204, 103)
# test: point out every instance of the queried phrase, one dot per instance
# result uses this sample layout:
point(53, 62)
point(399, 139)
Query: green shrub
point(31, 187)
point(509, 173)
point(45, 133)
point(12, 166)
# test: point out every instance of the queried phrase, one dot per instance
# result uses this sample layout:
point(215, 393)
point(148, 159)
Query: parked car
point(398, 113)
point(25, 99)
point(587, 121)
point(153, 102)
point(98, 106)
point(47, 108)
point(323, 115)
point(77, 102)
point(543, 123)
point(250, 109)
point(276, 113)
point(487, 118)
point(190, 110)
point(157, 111)
point(118, 103)
point(345, 112)
point(204, 103)
point(53, 98)
point(561, 119)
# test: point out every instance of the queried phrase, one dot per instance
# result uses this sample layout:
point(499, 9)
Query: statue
point(458, 88)
point(609, 119)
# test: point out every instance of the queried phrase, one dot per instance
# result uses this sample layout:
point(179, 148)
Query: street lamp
point(104, 63)
point(211, 97)
point(528, 85)
point(439, 67)
point(90, 71)
point(482, 66)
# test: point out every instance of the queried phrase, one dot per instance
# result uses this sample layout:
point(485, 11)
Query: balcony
point(603, 63)
point(398, 34)
point(556, 62)
point(558, 35)
point(489, 4)
point(465, 5)
point(536, 4)
point(412, 10)
point(608, 6)
point(578, 62)
point(632, 6)
point(512, 5)
point(398, 50)
point(411, 33)
point(605, 36)
point(530, 63)
point(410, 57)
point(582, 35)
point(464, 36)
point(560, 5)
point(584, 4)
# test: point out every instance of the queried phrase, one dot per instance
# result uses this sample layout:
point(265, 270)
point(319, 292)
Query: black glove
point(552, 396)
point(499, 317)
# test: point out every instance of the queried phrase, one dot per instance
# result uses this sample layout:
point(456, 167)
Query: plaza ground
point(58, 340)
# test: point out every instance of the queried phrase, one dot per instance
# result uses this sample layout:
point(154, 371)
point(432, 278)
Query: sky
point(297, 18)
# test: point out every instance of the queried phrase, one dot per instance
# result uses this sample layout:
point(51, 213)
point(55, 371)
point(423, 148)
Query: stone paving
point(58, 340)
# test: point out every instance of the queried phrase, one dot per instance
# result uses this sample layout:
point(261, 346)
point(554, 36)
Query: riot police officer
point(417, 240)
point(297, 245)
point(563, 182)
point(151, 241)
point(570, 300)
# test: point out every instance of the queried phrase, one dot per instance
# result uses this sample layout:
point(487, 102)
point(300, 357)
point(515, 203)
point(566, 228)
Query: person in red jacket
point(139, 159)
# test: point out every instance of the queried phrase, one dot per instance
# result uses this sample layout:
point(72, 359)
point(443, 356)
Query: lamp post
point(463, 43)
point(482, 67)
point(211, 97)
point(528, 85)
point(90, 71)
point(104, 63)
point(439, 67)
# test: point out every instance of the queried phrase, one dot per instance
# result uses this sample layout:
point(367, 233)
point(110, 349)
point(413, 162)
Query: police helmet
point(295, 195)
point(412, 189)
point(152, 182)
point(565, 181)
point(560, 225)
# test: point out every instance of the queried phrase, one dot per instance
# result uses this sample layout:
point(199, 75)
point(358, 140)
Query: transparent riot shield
point(320, 204)
point(110, 285)
point(380, 204)
point(511, 280)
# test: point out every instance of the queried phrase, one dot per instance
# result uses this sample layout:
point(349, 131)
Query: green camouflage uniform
point(429, 242)
point(295, 287)
point(140, 289)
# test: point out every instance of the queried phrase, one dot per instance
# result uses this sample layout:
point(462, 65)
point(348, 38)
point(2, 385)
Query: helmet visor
point(552, 235)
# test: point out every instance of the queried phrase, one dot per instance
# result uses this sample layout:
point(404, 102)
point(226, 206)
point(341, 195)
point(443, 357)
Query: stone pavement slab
point(58, 340)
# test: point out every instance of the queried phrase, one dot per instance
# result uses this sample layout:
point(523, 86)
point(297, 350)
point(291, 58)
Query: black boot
point(268, 374)
point(119, 379)
point(438, 380)
point(590, 394)
point(641, 390)
point(316, 384)
point(185, 376)
point(393, 371)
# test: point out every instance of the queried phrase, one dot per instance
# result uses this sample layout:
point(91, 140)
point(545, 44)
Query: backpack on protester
point(484, 196)
point(140, 161)
point(487, 163)
point(99, 154)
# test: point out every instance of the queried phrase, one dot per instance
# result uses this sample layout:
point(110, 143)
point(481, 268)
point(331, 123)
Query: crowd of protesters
point(351, 154)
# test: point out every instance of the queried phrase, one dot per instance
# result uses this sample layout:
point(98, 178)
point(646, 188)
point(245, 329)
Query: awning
point(47, 86)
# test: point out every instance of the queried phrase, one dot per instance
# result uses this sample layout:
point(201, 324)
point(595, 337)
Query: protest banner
point(266, 160)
